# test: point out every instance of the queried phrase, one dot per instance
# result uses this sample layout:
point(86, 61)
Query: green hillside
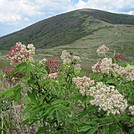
point(72, 26)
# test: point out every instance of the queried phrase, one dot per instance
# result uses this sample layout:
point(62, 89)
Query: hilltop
point(70, 27)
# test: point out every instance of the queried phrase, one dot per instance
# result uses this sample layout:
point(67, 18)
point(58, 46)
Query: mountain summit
point(66, 28)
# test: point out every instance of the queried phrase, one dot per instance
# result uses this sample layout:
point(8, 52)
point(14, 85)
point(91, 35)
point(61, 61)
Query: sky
point(18, 14)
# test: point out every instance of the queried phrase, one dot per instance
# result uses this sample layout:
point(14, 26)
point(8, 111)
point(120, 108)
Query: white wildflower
point(129, 72)
point(107, 98)
point(83, 83)
point(102, 50)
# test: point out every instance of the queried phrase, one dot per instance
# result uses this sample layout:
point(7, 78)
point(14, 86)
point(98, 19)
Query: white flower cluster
point(108, 99)
point(69, 59)
point(102, 50)
point(83, 83)
point(129, 70)
point(131, 109)
point(65, 54)
point(105, 66)
point(118, 70)
point(53, 75)
point(31, 49)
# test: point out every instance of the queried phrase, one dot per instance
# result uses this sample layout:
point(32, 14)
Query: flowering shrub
point(106, 66)
point(59, 99)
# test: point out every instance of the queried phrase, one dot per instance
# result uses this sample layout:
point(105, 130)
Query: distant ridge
point(65, 28)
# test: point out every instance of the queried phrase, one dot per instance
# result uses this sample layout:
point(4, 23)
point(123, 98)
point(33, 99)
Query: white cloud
point(119, 6)
point(21, 13)
point(13, 11)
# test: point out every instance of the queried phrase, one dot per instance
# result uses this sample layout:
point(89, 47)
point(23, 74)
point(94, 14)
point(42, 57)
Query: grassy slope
point(65, 29)
point(118, 37)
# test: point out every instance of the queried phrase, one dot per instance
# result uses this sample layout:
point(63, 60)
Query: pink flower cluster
point(53, 65)
point(118, 57)
point(14, 78)
point(19, 53)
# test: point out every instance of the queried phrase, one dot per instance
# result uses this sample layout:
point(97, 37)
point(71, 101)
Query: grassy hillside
point(66, 28)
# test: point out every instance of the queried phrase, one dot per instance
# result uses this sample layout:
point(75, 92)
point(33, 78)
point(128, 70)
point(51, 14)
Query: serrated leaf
point(21, 67)
point(31, 96)
point(84, 128)
point(26, 109)
point(111, 81)
point(93, 130)
point(8, 92)
point(57, 116)
point(104, 130)
point(57, 102)
point(41, 130)
point(17, 94)
point(25, 122)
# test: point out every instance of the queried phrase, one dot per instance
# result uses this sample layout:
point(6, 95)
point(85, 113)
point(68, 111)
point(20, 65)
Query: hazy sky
point(17, 14)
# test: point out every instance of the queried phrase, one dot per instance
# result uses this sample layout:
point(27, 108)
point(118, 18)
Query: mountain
point(67, 28)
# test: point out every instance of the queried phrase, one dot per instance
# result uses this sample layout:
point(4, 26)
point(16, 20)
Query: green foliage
point(55, 105)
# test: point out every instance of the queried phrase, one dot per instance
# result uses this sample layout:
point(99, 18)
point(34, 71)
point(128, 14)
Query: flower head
point(19, 53)
point(53, 65)
point(102, 50)
point(83, 83)
point(108, 99)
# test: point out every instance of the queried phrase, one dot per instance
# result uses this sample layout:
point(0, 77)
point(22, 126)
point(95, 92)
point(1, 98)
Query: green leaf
point(17, 94)
point(25, 122)
point(42, 130)
point(111, 81)
point(27, 109)
point(21, 67)
point(104, 130)
point(31, 95)
point(58, 116)
point(9, 92)
point(57, 102)
point(93, 130)
point(29, 70)
point(85, 128)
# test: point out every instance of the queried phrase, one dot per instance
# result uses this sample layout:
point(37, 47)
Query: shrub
point(58, 99)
